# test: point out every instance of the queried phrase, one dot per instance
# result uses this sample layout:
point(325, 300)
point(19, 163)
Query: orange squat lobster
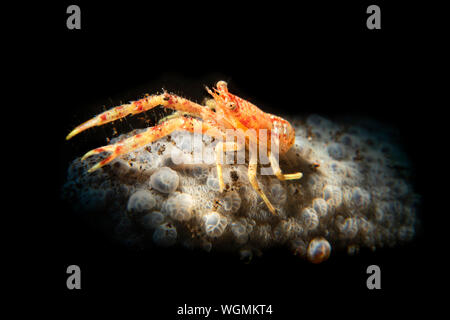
point(228, 112)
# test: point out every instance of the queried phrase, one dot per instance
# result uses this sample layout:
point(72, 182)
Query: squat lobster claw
point(230, 112)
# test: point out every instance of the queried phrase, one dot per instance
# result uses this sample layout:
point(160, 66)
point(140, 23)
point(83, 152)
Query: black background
point(288, 59)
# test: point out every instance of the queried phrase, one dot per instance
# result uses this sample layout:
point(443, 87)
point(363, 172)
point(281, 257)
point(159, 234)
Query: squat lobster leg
point(254, 182)
point(167, 100)
point(221, 148)
point(153, 134)
point(277, 171)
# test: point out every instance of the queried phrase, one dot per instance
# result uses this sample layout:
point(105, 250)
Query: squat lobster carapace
point(230, 112)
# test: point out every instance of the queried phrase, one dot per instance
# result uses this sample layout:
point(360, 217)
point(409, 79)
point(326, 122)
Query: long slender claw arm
point(277, 171)
point(105, 117)
point(166, 99)
point(153, 134)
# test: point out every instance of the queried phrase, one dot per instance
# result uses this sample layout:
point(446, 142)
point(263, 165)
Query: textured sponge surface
point(352, 194)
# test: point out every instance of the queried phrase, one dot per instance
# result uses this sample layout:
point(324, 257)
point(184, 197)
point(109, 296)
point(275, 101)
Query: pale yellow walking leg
point(254, 182)
point(221, 148)
point(277, 171)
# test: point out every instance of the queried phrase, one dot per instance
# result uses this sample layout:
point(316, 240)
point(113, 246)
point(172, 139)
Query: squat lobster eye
point(231, 105)
point(222, 85)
